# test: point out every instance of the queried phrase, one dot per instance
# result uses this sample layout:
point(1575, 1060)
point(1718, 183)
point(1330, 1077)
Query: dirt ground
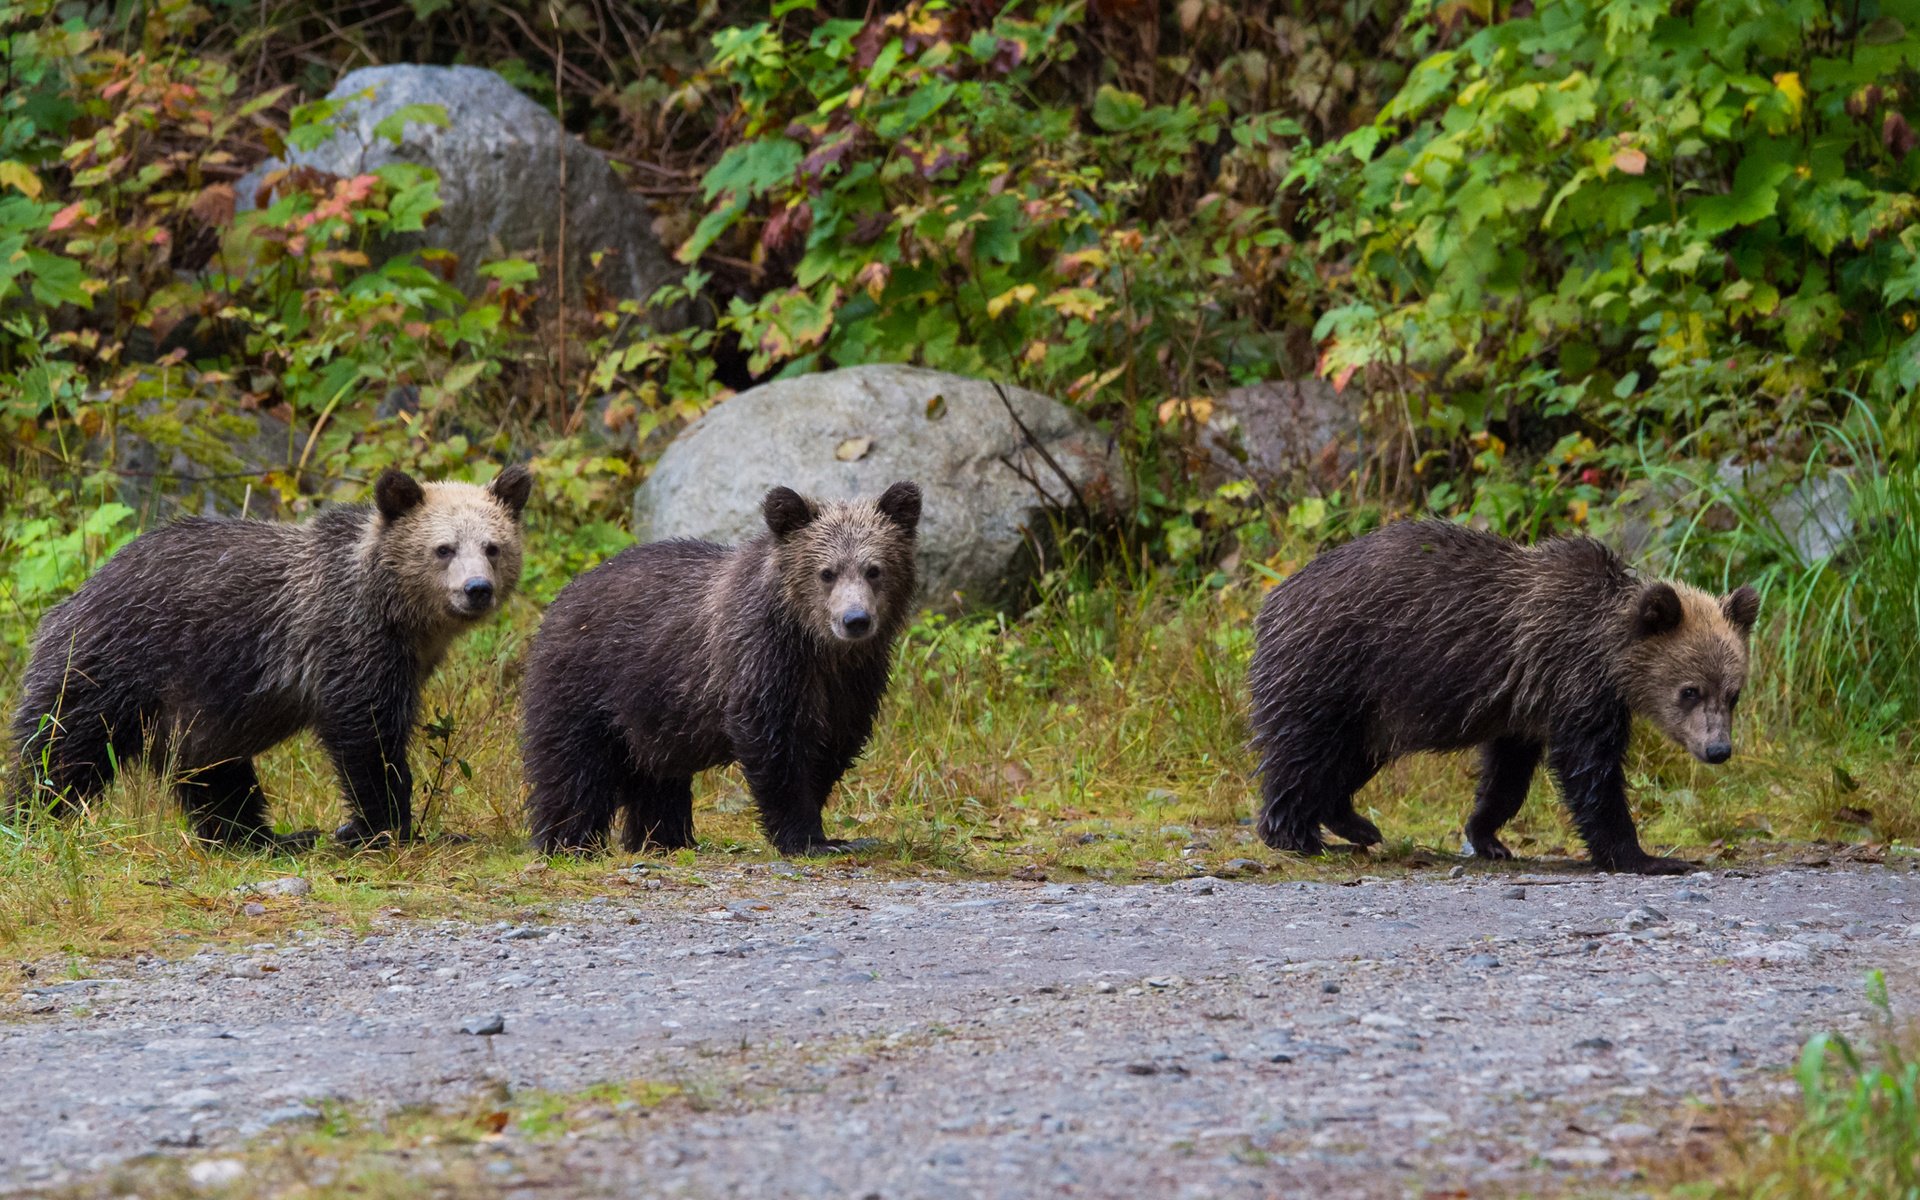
point(1490, 1032)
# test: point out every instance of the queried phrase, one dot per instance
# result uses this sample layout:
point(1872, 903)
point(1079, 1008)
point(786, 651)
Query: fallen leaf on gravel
point(494, 1122)
point(853, 449)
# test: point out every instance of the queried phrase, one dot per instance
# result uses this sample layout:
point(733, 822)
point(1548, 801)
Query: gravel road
point(853, 1037)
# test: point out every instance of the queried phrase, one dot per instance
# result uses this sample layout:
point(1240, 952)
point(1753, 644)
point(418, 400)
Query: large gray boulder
point(498, 159)
point(1290, 437)
point(851, 432)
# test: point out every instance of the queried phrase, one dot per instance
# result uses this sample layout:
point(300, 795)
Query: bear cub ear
point(1658, 611)
point(512, 487)
point(395, 493)
point(901, 505)
point(787, 512)
point(1742, 608)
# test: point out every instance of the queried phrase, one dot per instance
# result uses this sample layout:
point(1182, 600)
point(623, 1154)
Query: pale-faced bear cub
point(681, 655)
point(206, 642)
point(1429, 636)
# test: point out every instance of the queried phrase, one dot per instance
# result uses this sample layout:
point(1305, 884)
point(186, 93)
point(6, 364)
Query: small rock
point(1456, 872)
point(1382, 1021)
point(287, 1113)
point(522, 933)
point(254, 909)
point(1243, 866)
point(1579, 1156)
point(1330, 988)
point(216, 1172)
point(292, 885)
point(485, 1026)
point(1629, 1133)
point(1105, 987)
point(1514, 893)
point(1162, 981)
point(246, 969)
point(1482, 962)
point(1593, 1043)
point(194, 1098)
point(1642, 918)
point(1775, 952)
point(1912, 931)
point(1691, 896)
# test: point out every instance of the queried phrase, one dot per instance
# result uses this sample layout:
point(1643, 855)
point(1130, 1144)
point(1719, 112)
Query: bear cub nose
point(479, 592)
point(1719, 752)
point(856, 622)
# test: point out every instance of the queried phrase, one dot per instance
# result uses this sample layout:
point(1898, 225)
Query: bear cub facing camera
point(681, 655)
point(1426, 636)
point(206, 642)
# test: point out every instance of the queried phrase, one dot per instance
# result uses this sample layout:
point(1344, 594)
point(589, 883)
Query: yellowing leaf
point(1633, 162)
point(20, 177)
point(1014, 295)
point(1790, 86)
point(936, 407)
point(853, 449)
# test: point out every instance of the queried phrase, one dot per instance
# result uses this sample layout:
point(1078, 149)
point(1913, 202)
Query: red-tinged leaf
point(788, 226)
point(1898, 136)
point(1340, 380)
point(1631, 161)
point(66, 216)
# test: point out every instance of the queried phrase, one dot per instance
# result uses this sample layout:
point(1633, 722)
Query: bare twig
point(1046, 456)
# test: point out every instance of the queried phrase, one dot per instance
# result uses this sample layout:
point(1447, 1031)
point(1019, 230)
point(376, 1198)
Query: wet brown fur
point(677, 656)
point(204, 643)
point(1426, 636)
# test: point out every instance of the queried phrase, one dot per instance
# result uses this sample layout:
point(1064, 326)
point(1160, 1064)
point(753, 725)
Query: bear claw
point(1356, 829)
point(1490, 848)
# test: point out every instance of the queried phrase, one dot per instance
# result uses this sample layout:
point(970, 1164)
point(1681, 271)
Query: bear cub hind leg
point(659, 814)
point(225, 804)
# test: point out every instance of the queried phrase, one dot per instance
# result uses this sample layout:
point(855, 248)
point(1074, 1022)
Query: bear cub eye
point(443, 552)
point(828, 575)
point(493, 551)
point(1689, 695)
point(873, 573)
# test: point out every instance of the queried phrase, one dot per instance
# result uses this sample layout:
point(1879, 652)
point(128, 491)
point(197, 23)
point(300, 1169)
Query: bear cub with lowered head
point(677, 656)
point(1429, 636)
point(206, 642)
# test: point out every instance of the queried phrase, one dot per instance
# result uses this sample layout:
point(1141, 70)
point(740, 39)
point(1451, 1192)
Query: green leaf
point(393, 126)
point(57, 280)
point(510, 271)
point(1753, 198)
point(1116, 111)
point(309, 125)
point(752, 168)
point(407, 212)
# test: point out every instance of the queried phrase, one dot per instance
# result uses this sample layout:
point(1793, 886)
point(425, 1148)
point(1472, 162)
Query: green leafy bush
point(1652, 219)
point(931, 193)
